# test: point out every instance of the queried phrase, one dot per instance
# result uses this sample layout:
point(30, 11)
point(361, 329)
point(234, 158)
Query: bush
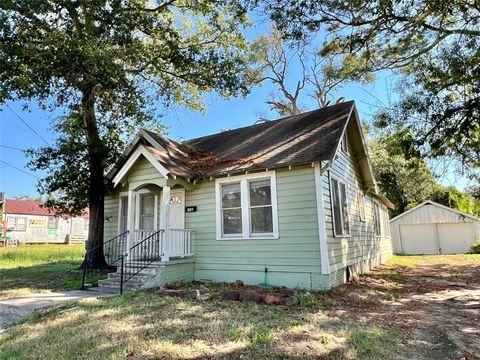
point(475, 249)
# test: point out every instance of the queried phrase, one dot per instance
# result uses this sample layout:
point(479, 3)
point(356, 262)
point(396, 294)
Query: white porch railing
point(139, 235)
point(174, 242)
point(178, 242)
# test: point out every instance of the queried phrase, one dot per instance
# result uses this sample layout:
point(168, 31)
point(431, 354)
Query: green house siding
point(362, 250)
point(111, 216)
point(292, 260)
point(182, 270)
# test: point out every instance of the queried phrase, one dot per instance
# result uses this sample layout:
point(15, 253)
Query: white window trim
point(361, 194)
point(15, 217)
point(138, 201)
point(374, 202)
point(386, 223)
point(340, 181)
point(120, 195)
point(244, 179)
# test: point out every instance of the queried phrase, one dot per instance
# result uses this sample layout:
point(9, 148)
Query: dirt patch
point(437, 306)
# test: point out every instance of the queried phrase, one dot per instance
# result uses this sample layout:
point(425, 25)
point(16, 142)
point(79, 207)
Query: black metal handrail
point(113, 250)
point(140, 256)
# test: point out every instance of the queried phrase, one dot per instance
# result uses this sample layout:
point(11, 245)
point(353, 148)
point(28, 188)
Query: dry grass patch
point(144, 325)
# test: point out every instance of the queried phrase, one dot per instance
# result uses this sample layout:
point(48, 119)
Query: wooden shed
point(432, 228)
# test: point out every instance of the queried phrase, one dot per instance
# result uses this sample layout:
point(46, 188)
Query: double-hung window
point(361, 206)
point(231, 209)
point(52, 222)
point(123, 214)
point(17, 223)
point(246, 207)
point(341, 223)
point(147, 212)
point(386, 222)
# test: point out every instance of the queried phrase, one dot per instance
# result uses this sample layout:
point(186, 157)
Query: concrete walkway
point(15, 309)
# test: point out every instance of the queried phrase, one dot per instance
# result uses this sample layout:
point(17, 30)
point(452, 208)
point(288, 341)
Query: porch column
point(164, 216)
point(130, 219)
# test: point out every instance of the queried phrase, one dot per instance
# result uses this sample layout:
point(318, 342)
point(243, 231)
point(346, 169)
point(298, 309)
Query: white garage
point(432, 228)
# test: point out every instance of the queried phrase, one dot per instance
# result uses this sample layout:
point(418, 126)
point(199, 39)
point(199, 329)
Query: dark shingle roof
point(299, 139)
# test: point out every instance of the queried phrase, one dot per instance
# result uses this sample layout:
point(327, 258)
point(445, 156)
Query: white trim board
point(141, 150)
point(243, 180)
point(435, 204)
point(322, 236)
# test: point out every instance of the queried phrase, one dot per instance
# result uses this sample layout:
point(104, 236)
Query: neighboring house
point(432, 228)
point(28, 221)
point(288, 202)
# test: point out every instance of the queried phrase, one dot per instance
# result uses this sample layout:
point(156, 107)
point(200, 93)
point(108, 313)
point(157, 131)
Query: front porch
point(151, 211)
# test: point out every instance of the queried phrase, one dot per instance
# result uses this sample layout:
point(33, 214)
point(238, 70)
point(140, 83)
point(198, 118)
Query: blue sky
point(16, 179)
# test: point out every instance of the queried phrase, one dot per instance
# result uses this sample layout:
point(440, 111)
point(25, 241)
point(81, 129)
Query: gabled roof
point(430, 202)
point(300, 139)
point(31, 207)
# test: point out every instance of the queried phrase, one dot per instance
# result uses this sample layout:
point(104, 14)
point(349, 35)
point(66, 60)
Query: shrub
point(475, 249)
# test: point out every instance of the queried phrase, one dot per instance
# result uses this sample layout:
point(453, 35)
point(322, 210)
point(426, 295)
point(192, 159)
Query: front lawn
point(38, 268)
point(394, 312)
point(146, 326)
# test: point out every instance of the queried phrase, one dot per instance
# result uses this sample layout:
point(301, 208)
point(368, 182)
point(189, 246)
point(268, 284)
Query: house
point(432, 228)
point(28, 221)
point(288, 202)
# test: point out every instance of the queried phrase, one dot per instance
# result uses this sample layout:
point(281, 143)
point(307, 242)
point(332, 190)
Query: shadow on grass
point(144, 325)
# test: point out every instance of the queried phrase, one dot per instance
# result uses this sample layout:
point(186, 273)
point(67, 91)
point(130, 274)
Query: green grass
point(39, 268)
point(31, 255)
point(411, 261)
point(143, 325)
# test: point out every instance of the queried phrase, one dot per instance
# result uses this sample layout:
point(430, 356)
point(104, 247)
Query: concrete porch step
point(114, 285)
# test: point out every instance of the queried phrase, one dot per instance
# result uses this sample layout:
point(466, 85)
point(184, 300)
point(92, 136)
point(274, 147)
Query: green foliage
point(475, 249)
point(109, 66)
point(404, 177)
point(452, 197)
point(400, 170)
point(435, 44)
point(307, 299)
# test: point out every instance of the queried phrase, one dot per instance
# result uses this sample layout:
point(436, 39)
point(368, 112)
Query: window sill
point(248, 238)
point(341, 236)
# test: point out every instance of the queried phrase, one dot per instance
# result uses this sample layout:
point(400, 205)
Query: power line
point(16, 168)
point(31, 128)
point(11, 147)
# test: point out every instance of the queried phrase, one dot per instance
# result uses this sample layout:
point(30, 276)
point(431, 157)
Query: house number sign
point(190, 209)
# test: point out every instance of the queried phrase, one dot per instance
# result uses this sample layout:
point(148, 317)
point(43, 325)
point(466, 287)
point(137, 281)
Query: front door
point(177, 209)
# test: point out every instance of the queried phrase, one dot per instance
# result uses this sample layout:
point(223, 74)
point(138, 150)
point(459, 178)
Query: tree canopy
point(318, 77)
point(404, 176)
point(109, 65)
point(433, 45)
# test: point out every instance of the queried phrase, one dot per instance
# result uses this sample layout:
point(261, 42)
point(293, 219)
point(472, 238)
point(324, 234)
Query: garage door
point(418, 239)
point(455, 238)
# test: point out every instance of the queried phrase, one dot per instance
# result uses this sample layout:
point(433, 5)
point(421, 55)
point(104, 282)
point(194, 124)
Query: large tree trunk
point(96, 187)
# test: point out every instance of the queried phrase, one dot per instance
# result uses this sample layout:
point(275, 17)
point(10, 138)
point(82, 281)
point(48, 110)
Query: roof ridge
point(270, 121)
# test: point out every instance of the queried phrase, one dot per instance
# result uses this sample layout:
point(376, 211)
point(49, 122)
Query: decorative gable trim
point(141, 150)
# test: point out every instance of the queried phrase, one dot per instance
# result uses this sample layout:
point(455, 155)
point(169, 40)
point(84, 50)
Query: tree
point(319, 76)
point(435, 45)
point(404, 176)
point(456, 199)
point(400, 170)
point(107, 63)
